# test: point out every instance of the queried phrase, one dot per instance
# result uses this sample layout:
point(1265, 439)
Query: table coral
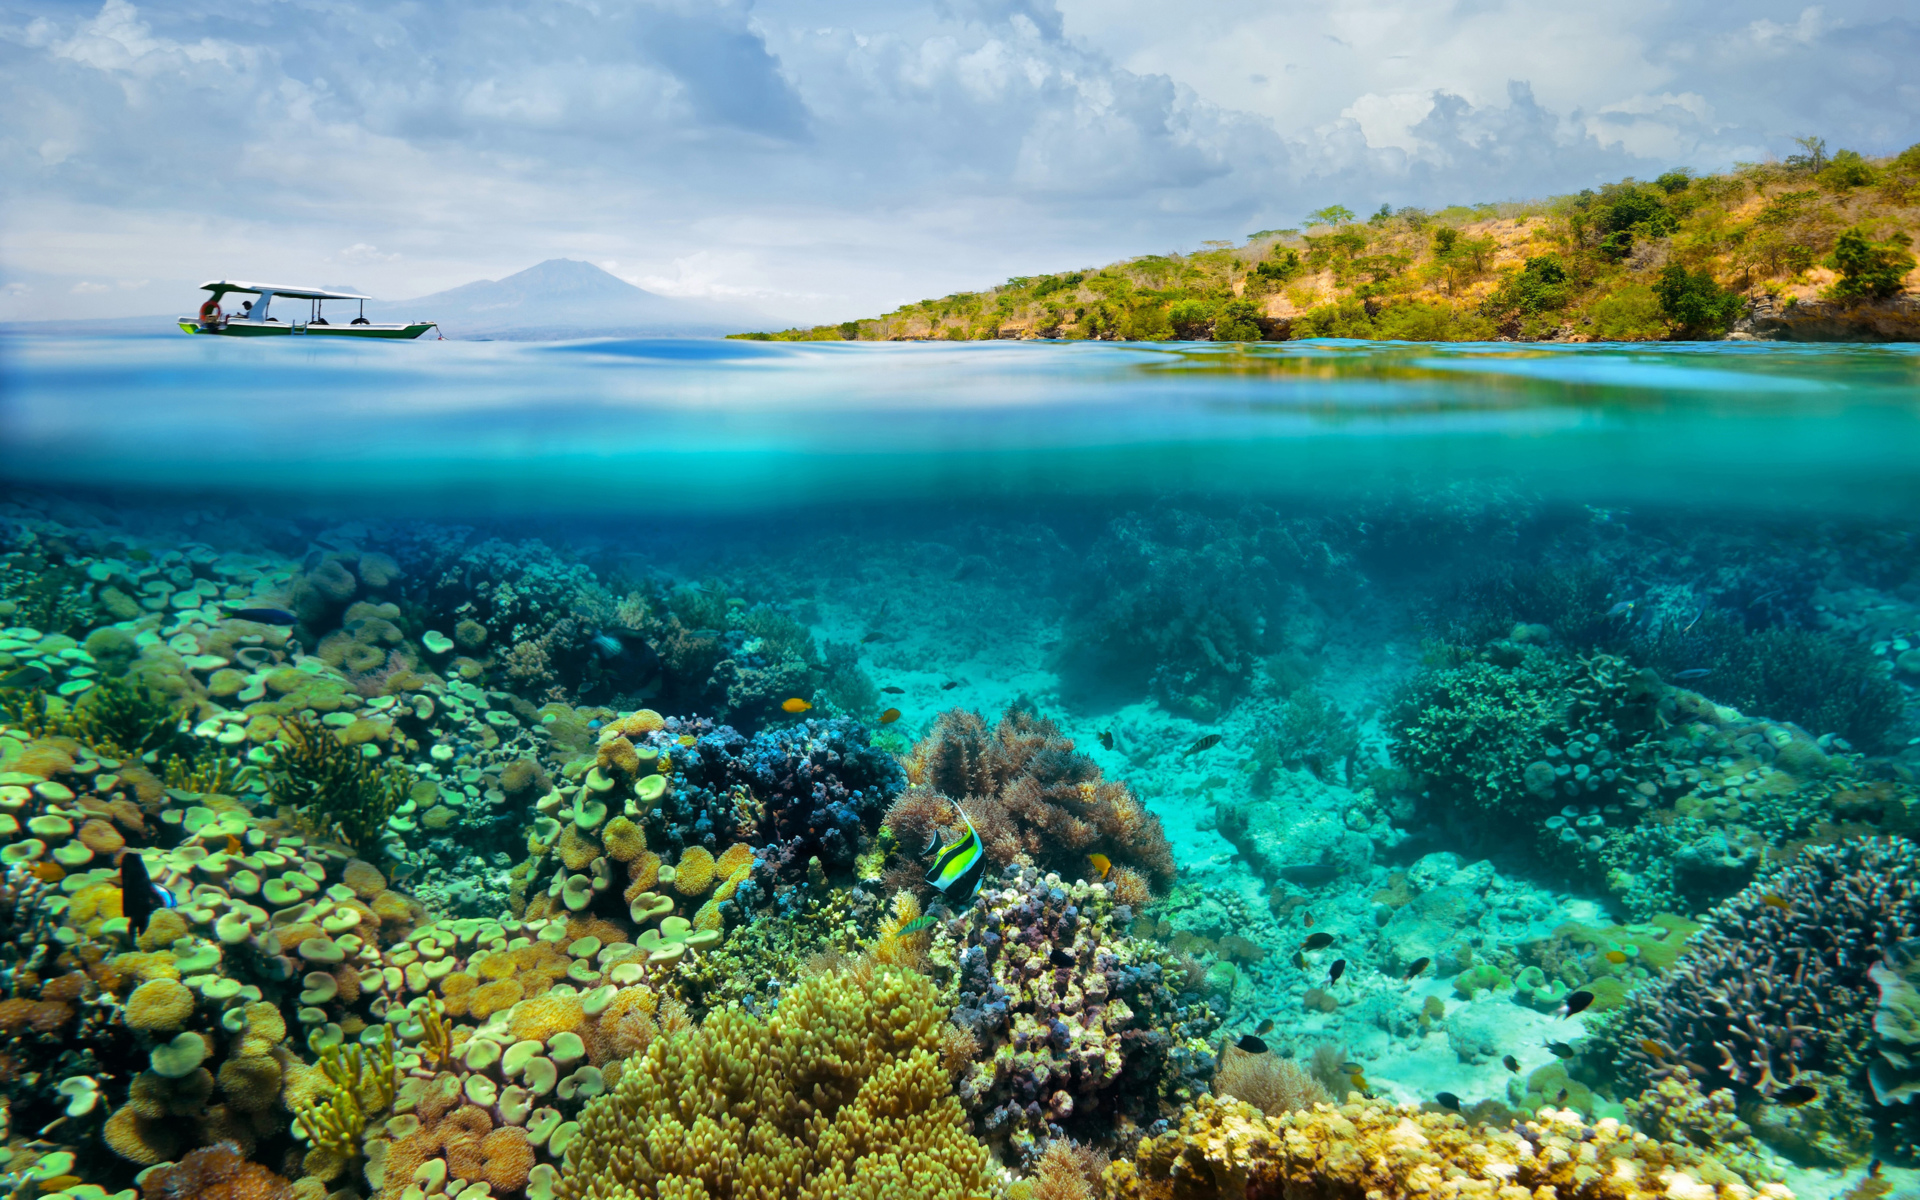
point(1228, 1150)
point(839, 1093)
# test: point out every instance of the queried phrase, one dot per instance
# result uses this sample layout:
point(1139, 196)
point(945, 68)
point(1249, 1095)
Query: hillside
point(1815, 248)
point(559, 298)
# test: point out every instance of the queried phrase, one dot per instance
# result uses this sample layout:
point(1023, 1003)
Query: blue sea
point(1562, 686)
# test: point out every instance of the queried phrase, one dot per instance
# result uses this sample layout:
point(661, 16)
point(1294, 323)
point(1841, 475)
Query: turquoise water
point(1527, 673)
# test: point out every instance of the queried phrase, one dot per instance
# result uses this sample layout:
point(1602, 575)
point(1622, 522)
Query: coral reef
point(1224, 1149)
point(1033, 798)
point(1080, 1029)
point(840, 1092)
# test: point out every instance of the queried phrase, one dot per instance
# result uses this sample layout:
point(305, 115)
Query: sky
point(816, 161)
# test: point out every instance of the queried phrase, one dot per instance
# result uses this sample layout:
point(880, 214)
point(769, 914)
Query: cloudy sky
point(827, 159)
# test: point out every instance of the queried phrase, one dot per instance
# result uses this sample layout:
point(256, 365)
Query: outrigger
point(254, 320)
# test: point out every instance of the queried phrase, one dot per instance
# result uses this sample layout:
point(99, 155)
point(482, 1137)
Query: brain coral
point(1224, 1149)
point(839, 1093)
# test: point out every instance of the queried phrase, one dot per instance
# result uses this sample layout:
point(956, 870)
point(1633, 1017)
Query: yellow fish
point(795, 705)
point(1616, 957)
point(1773, 901)
point(890, 716)
point(687, 739)
point(233, 845)
point(1101, 863)
point(1654, 1048)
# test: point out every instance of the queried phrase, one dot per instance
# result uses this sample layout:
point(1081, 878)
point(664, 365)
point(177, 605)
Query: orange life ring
point(210, 313)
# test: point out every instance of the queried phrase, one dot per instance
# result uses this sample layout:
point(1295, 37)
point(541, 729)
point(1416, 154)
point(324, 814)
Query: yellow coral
point(576, 851)
point(693, 874)
point(141, 966)
point(636, 724)
point(738, 857)
point(879, 1118)
point(164, 928)
point(251, 1082)
point(101, 901)
point(708, 916)
point(490, 998)
point(363, 1079)
point(159, 1006)
point(642, 873)
point(623, 840)
point(543, 1016)
point(1224, 1148)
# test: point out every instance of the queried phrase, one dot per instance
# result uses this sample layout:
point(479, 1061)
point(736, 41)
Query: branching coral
point(1225, 1150)
point(1777, 983)
point(331, 787)
point(839, 1093)
point(363, 1082)
point(1031, 796)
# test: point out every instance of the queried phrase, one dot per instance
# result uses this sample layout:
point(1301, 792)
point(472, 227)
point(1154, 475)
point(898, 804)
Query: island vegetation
point(1681, 256)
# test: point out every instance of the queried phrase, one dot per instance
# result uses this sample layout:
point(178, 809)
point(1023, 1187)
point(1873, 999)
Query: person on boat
point(246, 310)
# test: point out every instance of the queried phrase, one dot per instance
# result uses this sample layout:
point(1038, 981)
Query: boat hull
point(277, 329)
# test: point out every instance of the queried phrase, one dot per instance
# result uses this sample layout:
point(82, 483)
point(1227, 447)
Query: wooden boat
point(255, 320)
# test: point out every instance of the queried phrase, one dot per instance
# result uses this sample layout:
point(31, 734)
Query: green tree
point(1346, 319)
point(1869, 270)
point(1444, 240)
point(1631, 314)
point(1239, 321)
point(1332, 214)
point(1814, 160)
point(1148, 322)
point(1542, 286)
point(1190, 318)
point(1674, 181)
point(1693, 303)
point(1847, 170)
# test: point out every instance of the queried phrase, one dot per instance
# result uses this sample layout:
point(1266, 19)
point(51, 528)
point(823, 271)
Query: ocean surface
point(1541, 678)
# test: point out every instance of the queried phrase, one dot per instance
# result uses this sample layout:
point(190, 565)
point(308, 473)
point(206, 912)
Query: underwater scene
point(604, 770)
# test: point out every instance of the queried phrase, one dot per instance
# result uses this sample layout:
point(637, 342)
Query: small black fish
point(1694, 673)
point(1106, 740)
point(1873, 1169)
point(1339, 969)
point(1795, 1096)
point(1419, 965)
point(31, 675)
point(1562, 1097)
point(1577, 1002)
point(1560, 1049)
point(894, 691)
point(1061, 958)
point(949, 685)
point(1447, 1100)
point(1318, 941)
point(1513, 1064)
point(1252, 1044)
point(872, 635)
point(1206, 743)
point(140, 896)
point(1265, 1027)
point(264, 616)
point(1299, 960)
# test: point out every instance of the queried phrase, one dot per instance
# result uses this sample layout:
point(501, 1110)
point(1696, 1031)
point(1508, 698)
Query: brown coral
point(1030, 796)
point(1268, 1082)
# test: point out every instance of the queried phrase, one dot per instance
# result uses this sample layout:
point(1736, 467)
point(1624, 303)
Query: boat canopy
point(220, 287)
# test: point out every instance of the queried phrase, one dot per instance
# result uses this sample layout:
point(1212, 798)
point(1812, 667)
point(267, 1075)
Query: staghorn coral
point(1031, 797)
point(838, 1094)
point(1224, 1150)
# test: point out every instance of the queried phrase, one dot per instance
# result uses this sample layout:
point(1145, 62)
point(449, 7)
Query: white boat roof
point(220, 286)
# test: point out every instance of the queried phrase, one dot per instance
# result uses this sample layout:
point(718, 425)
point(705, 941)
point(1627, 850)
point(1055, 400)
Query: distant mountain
point(560, 298)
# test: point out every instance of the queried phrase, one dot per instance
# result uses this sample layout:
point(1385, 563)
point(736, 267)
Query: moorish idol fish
point(961, 865)
point(140, 896)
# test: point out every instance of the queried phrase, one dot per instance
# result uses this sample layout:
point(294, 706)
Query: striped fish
point(961, 866)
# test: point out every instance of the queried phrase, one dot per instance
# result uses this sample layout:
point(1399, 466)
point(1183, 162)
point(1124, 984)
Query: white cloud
point(84, 288)
point(839, 156)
